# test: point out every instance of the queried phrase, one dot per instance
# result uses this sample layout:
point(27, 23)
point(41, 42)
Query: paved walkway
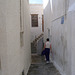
point(39, 67)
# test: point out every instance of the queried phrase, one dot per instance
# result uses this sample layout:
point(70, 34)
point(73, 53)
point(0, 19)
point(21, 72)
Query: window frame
point(32, 23)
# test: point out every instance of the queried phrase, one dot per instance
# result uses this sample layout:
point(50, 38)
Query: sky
point(35, 1)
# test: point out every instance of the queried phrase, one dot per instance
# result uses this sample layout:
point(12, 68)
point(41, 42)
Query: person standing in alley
point(47, 50)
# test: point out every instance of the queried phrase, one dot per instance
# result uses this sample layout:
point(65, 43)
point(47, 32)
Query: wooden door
point(42, 23)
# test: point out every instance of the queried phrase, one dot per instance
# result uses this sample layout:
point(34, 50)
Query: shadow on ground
point(39, 67)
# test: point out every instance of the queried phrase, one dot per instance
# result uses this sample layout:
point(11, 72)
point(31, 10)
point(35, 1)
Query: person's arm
point(50, 48)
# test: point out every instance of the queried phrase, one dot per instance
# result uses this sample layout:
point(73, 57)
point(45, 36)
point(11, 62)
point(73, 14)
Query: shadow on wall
point(45, 4)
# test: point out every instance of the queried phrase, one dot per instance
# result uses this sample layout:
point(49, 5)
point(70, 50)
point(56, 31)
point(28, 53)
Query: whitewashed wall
point(47, 18)
point(71, 15)
point(63, 44)
point(14, 59)
point(27, 47)
point(36, 9)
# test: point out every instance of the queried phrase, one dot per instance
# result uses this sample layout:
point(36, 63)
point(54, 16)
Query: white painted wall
point(63, 44)
point(36, 9)
point(71, 14)
point(27, 47)
point(14, 59)
point(47, 18)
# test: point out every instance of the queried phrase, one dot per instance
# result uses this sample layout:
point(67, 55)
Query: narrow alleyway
point(39, 67)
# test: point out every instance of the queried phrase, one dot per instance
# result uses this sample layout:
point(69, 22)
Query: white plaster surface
point(14, 59)
point(62, 35)
point(58, 6)
point(72, 8)
point(71, 16)
point(47, 18)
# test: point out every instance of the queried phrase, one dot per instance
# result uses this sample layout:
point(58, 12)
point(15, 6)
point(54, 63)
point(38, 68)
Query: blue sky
point(35, 1)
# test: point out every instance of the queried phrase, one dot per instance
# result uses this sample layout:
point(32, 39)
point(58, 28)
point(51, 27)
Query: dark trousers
point(47, 52)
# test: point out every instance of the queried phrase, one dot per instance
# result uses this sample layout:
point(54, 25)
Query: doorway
point(42, 23)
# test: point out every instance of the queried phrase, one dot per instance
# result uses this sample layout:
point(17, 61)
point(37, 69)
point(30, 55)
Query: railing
point(38, 43)
point(36, 39)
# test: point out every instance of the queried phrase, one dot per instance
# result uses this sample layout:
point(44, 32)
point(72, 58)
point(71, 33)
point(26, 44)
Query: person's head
point(47, 39)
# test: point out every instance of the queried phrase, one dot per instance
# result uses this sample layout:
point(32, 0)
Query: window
point(34, 20)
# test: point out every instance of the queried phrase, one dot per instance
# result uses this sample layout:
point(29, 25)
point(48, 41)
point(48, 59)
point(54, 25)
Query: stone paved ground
point(39, 67)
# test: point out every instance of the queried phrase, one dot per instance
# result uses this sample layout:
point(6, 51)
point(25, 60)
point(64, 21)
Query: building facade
point(36, 18)
point(59, 25)
point(15, 53)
